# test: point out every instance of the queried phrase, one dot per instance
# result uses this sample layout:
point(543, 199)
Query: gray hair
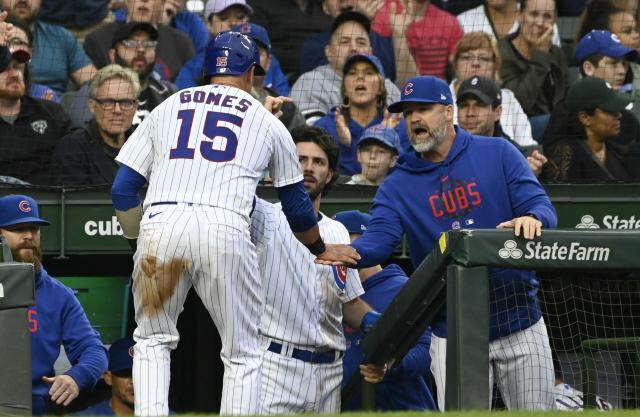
point(112, 72)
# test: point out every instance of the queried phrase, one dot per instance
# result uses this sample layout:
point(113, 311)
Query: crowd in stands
point(79, 77)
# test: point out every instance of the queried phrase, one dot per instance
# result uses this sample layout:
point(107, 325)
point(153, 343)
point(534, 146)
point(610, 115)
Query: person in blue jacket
point(56, 319)
point(450, 180)
point(406, 384)
point(364, 99)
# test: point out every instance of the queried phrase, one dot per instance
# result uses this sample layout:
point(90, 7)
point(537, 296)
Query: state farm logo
point(103, 228)
point(609, 222)
point(575, 251)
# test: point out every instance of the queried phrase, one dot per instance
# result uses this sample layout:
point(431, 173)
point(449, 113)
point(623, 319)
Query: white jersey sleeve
point(137, 152)
point(284, 166)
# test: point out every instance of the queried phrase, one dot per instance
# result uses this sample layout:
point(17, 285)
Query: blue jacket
point(348, 163)
point(405, 385)
point(481, 183)
point(101, 409)
point(191, 72)
point(58, 319)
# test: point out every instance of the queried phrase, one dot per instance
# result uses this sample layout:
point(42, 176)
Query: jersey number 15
point(211, 130)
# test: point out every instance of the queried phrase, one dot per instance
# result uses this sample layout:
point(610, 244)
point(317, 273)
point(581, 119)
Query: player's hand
point(63, 389)
point(344, 134)
point(274, 104)
point(344, 255)
point(391, 120)
point(372, 373)
point(400, 20)
point(543, 43)
point(530, 226)
point(536, 161)
point(368, 8)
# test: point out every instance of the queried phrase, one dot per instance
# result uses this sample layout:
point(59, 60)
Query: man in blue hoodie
point(451, 179)
point(56, 319)
point(406, 385)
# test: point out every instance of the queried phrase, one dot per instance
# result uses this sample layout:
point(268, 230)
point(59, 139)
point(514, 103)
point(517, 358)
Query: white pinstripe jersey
point(209, 145)
point(303, 303)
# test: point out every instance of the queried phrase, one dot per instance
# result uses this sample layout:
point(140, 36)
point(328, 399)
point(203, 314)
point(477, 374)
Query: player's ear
point(497, 113)
point(108, 378)
point(112, 56)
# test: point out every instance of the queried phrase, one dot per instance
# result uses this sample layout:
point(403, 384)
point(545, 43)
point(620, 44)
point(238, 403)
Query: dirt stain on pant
point(157, 281)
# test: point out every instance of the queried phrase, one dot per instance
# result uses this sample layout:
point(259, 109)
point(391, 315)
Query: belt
point(328, 356)
point(168, 203)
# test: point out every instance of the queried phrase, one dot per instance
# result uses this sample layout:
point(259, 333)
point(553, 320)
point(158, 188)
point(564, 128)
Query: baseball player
point(452, 179)
point(301, 325)
point(203, 151)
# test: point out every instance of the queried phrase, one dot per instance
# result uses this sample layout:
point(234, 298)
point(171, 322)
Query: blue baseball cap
point(18, 209)
point(355, 221)
point(423, 89)
point(605, 43)
point(121, 355)
point(380, 133)
point(256, 32)
point(370, 59)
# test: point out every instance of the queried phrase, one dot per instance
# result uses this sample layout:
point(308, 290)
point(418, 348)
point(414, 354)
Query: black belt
point(328, 356)
point(168, 203)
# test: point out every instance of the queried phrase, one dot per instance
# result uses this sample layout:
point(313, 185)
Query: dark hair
point(594, 59)
point(20, 24)
point(326, 142)
point(523, 4)
point(596, 17)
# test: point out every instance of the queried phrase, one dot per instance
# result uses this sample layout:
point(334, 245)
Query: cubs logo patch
point(221, 61)
point(24, 206)
point(39, 126)
point(339, 276)
point(408, 89)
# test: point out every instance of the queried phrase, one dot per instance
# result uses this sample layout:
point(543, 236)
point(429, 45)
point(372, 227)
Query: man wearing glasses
point(87, 156)
point(133, 46)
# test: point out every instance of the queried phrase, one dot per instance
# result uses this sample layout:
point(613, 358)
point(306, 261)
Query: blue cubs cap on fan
point(256, 32)
point(605, 43)
point(121, 355)
point(370, 59)
point(18, 209)
point(355, 221)
point(380, 133)
point(423, 89)
point(231, 53)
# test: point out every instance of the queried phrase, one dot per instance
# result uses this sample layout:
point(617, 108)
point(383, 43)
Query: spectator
point(600, 54)
point(317, 91)
point(478, 55)
point(223, 15)
point(289, 23)
point(119, 377)
point(174, 47)
point(532, 67)
point(133, 46)
point(313, 56)
point(493, 187)
point(405, 385)
point(497, 18)
point(291, 116)
point(56, 318)
point(377, 149)
point(87, 156)
point(585, 152)
point(363, 103)
point(29, 128)
point(57, 54)
point(21, 38)
point(479, 112)
point(431, 34)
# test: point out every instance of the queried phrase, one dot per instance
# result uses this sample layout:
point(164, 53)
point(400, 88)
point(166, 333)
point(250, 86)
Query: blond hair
point(113, 72)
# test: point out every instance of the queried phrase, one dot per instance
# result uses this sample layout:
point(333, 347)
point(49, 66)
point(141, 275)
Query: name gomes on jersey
point(536, 250)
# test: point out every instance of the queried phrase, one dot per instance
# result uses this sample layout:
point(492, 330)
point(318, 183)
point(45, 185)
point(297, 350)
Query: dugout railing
point(454, 277)
point(17, 294)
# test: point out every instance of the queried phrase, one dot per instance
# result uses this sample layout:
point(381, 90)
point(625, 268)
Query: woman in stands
point(477, 55)
point(363, 104)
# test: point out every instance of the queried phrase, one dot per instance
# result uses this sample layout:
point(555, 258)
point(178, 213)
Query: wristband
point(369, 320)
point(317, 247)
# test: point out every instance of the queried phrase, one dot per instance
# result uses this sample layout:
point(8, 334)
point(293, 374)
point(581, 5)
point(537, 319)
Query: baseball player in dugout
point(468, 181)
point(303, 341)
point(56, 319)
point(203, 151)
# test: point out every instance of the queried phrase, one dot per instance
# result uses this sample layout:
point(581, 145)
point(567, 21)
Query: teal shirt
point(56, 55)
